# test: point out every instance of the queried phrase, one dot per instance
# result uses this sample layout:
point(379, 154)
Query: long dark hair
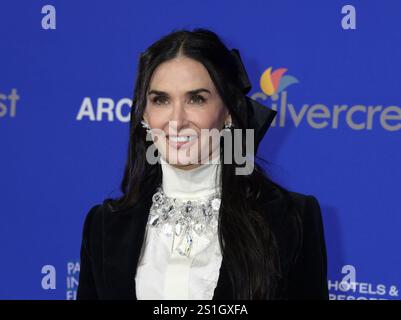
point(248, 244)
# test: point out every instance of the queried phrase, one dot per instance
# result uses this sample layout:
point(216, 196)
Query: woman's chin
point(182, 160)
point(181, 157)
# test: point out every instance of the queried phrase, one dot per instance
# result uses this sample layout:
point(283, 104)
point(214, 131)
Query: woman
point(192, 225)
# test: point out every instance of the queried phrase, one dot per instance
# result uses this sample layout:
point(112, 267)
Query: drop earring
point(228, 126)
point(146, 126)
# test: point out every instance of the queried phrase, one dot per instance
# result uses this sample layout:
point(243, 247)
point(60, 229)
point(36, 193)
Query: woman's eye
point(195, 99)
point(198, 99)
point(159, 100)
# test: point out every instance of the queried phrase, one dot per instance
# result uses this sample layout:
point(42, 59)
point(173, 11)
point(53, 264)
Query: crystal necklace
point(182, 219)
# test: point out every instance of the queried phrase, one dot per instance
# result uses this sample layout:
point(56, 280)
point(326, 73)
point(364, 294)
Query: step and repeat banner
point(332, 70)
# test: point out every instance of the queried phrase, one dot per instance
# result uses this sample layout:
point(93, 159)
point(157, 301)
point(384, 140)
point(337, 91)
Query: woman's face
point(182, 103)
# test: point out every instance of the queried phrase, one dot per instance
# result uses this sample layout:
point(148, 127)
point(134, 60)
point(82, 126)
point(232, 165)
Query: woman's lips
point(181, 144)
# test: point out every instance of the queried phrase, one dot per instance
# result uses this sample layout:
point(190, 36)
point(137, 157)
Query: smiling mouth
point(179, 141)
point(181, 138)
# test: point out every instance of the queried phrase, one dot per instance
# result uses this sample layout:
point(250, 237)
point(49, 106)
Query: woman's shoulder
point(308, 210)
point(305, 202)
point(300, 210)
point(308, 206)
point(103, 213)
point(96, 213)
point(92, 221)
point(282, 199)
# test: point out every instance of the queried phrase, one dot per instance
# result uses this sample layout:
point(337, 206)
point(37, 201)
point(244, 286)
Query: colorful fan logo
point(275, 82)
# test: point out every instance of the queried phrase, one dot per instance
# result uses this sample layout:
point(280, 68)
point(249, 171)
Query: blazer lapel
point(124, 233)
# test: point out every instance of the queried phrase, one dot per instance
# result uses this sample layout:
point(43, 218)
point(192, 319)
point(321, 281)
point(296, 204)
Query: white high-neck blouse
point(162, 273)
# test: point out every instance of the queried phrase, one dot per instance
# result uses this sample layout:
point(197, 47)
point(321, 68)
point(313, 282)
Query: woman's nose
point(178, 116)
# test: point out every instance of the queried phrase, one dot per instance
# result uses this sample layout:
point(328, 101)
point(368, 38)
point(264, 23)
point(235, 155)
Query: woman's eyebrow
point(198, 91)
point(162, 93)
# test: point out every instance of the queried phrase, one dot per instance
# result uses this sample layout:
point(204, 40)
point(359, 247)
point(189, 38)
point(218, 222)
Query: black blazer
point(112, 241)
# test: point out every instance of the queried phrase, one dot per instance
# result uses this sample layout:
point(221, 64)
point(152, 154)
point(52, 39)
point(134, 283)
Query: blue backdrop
point(332, 71)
